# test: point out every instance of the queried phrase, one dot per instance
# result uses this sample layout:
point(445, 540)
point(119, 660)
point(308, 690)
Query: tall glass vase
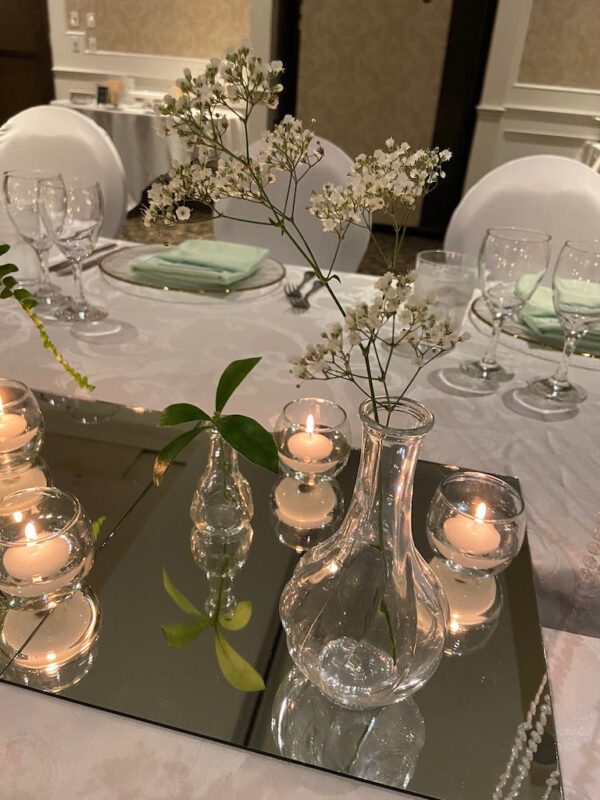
point(221, 511)
point(364, 615)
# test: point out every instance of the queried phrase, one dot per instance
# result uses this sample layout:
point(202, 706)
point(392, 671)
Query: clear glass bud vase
point(364, 615)
point(221, 511)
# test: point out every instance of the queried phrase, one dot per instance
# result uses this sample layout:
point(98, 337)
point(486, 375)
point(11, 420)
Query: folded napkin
point(201, 264)
point(540, 317)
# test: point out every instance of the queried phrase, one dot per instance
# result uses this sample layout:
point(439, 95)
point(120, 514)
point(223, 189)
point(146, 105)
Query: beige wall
point(193, 28)
point(370, 69)
point(562, 45)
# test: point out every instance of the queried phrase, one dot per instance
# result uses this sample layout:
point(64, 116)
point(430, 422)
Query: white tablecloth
point(144, 152)
point(174, 352)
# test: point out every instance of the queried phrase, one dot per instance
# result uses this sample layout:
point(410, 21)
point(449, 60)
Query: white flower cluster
point(389, 180)
point(393, 318)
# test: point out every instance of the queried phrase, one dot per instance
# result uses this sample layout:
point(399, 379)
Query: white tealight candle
point(13, 431)
point(36, 558)
point(33, 478)
point(304, 507)
point(469, 599)
point(309, 450)
point(472, 536)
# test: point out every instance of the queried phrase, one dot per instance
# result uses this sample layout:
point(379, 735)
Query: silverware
point(66, 263)
point(301, 303)
point(293, 289)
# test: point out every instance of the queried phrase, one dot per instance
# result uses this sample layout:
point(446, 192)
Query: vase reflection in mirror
point(221, 511)
point(475, 606)
point(363, 613)
point(306, 514)
point(56, 654)
point(380, 745)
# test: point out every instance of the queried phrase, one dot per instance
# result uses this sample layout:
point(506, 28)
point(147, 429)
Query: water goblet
point(512, 262)
point(576, 299)
point(22, 197)
point(73, 219)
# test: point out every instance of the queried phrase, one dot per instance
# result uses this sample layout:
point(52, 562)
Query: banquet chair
point(64, 141)
point(333, 167)
point(554, 194)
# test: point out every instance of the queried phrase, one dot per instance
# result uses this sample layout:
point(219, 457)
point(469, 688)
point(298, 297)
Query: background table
point(144, 151)
point(175, 354)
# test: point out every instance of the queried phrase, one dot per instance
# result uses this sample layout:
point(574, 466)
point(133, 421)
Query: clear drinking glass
point(576, 296)
point(22, 197)
point(512, 262)
point(447, 279)
point(73, 218)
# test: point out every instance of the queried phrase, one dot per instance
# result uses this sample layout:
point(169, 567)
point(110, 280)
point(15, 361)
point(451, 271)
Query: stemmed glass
point(21, 193)
point(512, 262)
point(73, 218)
point(576, 297)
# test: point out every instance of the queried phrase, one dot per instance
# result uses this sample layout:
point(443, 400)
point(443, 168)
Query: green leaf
point(181, 635)
point(179, 413)
point(6, 293)
point(4, 248)
point(9, 281)
point(240, 617)
point(231, 378)
point(97, 526)
point(237, 671)
point(181, 601)
point(6, 269)
point(249, 438)
point(170, 451)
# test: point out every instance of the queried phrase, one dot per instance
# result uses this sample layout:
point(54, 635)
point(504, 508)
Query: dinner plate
point(513, 326)
point(118, 266)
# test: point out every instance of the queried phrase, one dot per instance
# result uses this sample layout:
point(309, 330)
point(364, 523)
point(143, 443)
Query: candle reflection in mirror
point(21, 426)
point(31, 476)
point(380, 745)
point(475, 606)
point(51, 649)
point(306, 514)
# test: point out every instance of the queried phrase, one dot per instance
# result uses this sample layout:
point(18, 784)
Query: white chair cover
point(334, 167)
point(64, 141)
point(558, 195)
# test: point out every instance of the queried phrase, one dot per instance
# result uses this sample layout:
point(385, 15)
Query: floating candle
point(12, 428)
point(36, 558)
point(472, 535)
point(309, 446)
point(304, 507)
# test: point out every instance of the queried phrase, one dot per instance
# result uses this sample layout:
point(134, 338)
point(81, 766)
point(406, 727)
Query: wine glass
point(73, 218)
point(21, 194)
point(512, 262)
point(576, 297)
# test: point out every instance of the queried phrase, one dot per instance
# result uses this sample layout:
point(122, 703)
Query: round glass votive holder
point(57, 654)
point(476, 523)
point(34, 475)
point(46, 547)
point(306, 514)
point(21, 425)
point(313, 439)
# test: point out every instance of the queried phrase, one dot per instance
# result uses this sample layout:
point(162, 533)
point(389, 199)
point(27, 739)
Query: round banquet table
point(176, 355)
point(144, 151)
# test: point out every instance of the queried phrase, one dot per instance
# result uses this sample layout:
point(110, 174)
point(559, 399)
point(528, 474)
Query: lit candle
point(304, 507)
point(309, 449)
point(472, 536)
point(36, 559)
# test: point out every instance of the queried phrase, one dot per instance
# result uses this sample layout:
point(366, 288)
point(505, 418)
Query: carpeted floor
point(372, 263)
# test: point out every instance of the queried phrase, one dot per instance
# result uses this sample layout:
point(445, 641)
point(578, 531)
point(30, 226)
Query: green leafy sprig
point(237, 671)
point(244, 434)
point(10, 288)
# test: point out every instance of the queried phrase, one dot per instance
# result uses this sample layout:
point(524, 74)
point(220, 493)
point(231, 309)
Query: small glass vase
point(363, 613)
point(221, 511)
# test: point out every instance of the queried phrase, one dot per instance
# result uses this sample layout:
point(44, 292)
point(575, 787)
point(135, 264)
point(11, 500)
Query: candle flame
point(481, 511)
point(18, 516)
point(1, 406)
point(310, 424)
point(30, 532)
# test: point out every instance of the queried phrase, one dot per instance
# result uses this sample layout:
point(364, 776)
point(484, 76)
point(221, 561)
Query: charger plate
point(451, 741)
point(118, 268)
point(518, 330)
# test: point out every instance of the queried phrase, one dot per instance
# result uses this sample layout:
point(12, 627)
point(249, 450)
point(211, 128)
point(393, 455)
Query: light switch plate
point(74, 19)
point(91, 44)
point(90, 20)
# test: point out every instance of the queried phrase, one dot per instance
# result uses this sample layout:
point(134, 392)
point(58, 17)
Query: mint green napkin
point(201, 264)
point(539, 316)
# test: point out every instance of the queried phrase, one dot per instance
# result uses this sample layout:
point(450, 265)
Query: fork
point(301, 303)
point(293, 289)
